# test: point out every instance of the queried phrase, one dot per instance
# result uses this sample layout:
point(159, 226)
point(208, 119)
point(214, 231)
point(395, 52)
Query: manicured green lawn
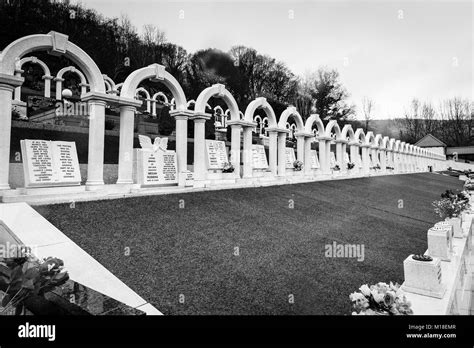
point(190, 251)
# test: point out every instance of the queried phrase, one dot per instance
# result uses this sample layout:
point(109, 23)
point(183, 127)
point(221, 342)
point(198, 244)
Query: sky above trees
point(389, 51)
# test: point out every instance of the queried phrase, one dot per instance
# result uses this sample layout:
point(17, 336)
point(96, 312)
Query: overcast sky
point(390, 51)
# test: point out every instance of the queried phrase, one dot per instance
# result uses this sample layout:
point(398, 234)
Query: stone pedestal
point(440, 242)
point(456, 223)
point(423, 277)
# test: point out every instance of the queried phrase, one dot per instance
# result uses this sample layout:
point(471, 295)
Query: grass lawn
point(190, 250)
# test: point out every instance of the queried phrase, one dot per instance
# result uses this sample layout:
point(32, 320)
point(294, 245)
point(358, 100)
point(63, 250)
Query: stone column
point(281, 154)
point(300, 148)
point(47, 85)
point(17, 94)
point(247, 152)
point(59, 87)
point(7, 85)
point(236, 129)
point(200, 146)
point(83, 88)
point(273, 151)
point(181, 118)
point(340, 155)
point(307, 156)
point(125, 165)
point(354, 148)
point(365, 159)
point(323, 160)
point(95, 167)
point(383, 160)
point(328, 156)
point(343, 163)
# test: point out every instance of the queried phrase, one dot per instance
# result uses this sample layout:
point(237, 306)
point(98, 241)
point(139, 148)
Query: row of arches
point(99, 90)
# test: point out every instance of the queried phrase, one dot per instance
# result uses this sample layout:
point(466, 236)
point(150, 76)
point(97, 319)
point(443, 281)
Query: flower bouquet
point(336, 167)
point(451, 204)
point(350, 165)
point(469, 184)
point(27, 276)
point(298, 165)
point(380, 299)
point(228, 168)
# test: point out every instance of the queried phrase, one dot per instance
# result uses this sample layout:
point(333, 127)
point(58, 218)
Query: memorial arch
point(320, 137)
point(200, 116)
point(128, 90)
point(290, 112)
point(260, 103)
point(56, 44)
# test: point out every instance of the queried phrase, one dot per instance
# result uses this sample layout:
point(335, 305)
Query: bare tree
point(457, 121)
point(152, 36)
point(367, 106)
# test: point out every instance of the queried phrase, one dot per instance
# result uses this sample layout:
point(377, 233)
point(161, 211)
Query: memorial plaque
point(314, 160)
point(332, 159)
point(50, 163)
point(259, 157)
point(156, 168)
point(216, 154)
point(290, 157)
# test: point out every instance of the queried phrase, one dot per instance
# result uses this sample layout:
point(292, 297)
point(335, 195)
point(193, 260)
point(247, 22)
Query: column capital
point(354, 143)
point(12, 81)
point(341, 141)
point(324, 138)
point(277, 130)
point(58, 79)
point(181, 114)
point(200, 116)
point(242, 123)
point(303, 135)
point(47, 77)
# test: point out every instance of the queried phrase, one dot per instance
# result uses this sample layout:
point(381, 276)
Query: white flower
point(365, 290)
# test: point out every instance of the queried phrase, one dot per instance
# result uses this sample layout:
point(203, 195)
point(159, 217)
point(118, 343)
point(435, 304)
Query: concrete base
point(424, 292)
point(42, 196)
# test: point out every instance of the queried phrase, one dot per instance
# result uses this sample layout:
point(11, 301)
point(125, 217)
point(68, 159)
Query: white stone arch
point(154, 100)
point(397, 145)
point(46, 76)
point(59, 80)
point(378, 140)
point(261, 103)
point(360, 136)
point(291, 112)
point(147, 97)
point(220, 118)
point(193, 102)
point(332, 125)
point(217, 90)
point(391, 144)
point(155, 72)
point(369, 138)
point(57, 44)
point(110, 86)
point(347, 133)
point(314, 119)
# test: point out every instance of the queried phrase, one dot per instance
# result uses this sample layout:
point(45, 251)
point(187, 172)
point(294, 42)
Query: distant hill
point(388, 128)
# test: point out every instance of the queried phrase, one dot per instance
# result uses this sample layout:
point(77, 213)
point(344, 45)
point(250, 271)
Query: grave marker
point(50, 163)
point(259, 157)
point(216, 154)
point(290, 157)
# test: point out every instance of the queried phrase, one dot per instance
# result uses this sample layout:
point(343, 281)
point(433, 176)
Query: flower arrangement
point(380, 299)
point(469, 184)
point(451, 204)
point(228, 168)
point(390, 168)
point(376, 167)
point(298, 165)
point(25, 276)
point(336, 167)
point(350, 165)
